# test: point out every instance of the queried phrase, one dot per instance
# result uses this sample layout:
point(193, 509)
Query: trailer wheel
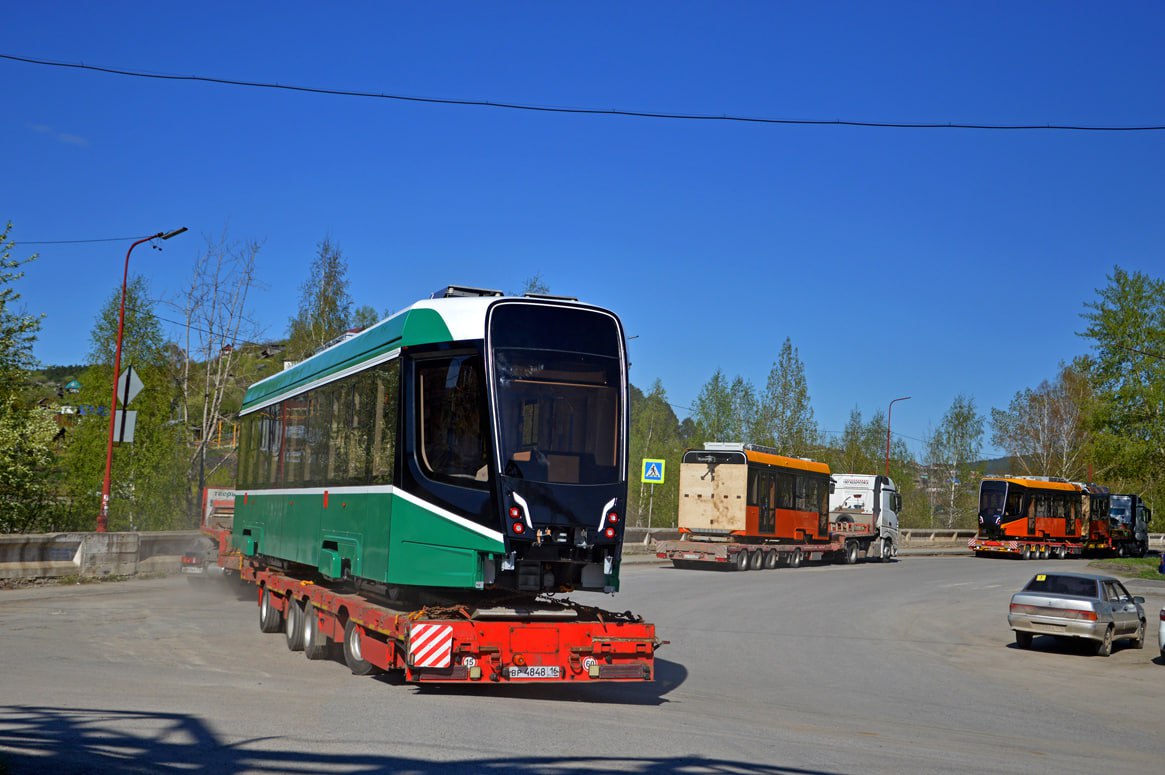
point(772, 560)
point(756, 559)
point(1026, 554)
point(293, 624)
point(795, 558)
point(851, 552)
point(270, 620)
point(353, 657)
point(1023, 639)
point(741, 560)
point(315, 643)
point(1104, 647)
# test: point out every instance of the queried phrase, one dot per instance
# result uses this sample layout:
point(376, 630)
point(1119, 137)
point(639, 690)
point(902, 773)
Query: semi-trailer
point(749, 507)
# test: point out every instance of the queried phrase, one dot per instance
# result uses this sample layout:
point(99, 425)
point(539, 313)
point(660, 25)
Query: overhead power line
point(583, 111)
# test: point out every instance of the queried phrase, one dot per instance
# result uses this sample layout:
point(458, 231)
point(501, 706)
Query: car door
point(1124, 610)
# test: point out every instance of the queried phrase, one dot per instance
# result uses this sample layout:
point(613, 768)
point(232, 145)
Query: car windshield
point(1062, 585)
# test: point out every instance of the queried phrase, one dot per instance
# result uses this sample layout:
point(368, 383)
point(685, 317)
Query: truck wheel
point(1023, 639)
point(740, 561)
point(293, 624)
point(851, 552)
point(352, 654)
point(795, 558)
point(270, 620)
point(1139, 637)
point(315, 643)
point(888, 550)
point(772, 560)
point(1104, 647)
point(756, 559)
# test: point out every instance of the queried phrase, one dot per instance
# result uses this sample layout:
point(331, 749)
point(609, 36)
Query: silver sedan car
point(1077, 605)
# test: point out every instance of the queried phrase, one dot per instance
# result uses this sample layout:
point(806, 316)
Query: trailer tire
point(270, 620)
point(353, 657)
point(741, 560)
point(293, 624)
point(315, 643)
point(1023, 639)
point(795, 558)
point(1104, 646)
point(772, 560)
point(756, 559)
point(851, 552)
point(1026, 554)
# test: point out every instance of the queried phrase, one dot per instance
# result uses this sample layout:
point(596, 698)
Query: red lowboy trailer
point(534, 640)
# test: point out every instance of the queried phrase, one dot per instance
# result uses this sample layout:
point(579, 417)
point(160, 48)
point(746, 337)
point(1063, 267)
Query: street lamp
point(890, 411)
point(103, 515)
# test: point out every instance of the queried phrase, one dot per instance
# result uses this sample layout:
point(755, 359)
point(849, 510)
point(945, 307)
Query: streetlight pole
point(103, 515)
point(889, 412)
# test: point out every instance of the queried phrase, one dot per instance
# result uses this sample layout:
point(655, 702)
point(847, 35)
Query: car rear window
point(1062, 585)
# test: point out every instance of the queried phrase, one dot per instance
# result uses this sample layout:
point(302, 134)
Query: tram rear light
point(515, 512)
point(519, 528)
point(609, 532)
point(612, 518)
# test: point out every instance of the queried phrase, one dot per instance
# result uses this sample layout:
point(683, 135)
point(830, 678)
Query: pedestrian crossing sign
point(652, 471)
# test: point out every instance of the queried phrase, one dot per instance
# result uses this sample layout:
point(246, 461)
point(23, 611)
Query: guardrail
point(97, 555)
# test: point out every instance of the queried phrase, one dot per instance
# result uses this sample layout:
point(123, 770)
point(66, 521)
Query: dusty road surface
point(901, 668)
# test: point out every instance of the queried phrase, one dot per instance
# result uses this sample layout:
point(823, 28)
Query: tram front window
point(558, 388)
point(992, 499)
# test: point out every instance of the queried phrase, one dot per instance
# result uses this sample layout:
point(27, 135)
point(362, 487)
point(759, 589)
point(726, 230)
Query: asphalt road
point(900, 668)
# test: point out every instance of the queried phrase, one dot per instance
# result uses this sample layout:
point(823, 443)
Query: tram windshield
point(558, 386)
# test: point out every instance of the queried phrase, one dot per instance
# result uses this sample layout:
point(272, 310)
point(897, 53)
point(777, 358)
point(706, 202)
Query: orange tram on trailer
point(1046, 517)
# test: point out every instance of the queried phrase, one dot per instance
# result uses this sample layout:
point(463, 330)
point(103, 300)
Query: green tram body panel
point(381, 536)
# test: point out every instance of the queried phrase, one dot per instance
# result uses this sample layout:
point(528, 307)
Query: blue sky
point(899, 261)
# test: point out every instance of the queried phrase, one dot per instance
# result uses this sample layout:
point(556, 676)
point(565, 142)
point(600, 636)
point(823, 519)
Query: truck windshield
point(1120, 509)
point(558, 386)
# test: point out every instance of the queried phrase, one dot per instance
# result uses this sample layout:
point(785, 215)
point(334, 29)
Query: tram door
point(766, 497)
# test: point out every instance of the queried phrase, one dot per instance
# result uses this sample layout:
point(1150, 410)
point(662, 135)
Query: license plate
point(693, 557)
point(193, 570)
point(534, 671)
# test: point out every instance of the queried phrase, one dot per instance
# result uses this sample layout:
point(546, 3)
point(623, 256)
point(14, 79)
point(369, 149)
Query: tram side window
point(450, 420)
point(806, 494)
point(786, 491)
point(1014, 505)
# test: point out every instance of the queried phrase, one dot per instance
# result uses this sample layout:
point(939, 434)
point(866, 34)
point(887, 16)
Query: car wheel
point(1023, 639)
point(1104, 647)
point(1139, 637)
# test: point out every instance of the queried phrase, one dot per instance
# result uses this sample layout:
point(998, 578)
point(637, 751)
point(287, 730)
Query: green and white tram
point(471, 441)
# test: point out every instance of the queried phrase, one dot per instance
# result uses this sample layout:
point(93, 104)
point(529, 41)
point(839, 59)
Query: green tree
point(325, 307)
point(784, 417)
point(953, 450)
point(148, 479)
point(723, 411)
point(535, 285)
point(26, 433)
point(1045, 429)
point(1126, 325)
point(655, 433)
point(365, 317)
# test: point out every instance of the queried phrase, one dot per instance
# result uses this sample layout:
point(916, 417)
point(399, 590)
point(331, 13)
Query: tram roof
point(1039, 484)
point(449, 319)
point(771, 459)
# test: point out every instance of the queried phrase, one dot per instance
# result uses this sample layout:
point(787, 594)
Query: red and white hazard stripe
point(431, 645)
